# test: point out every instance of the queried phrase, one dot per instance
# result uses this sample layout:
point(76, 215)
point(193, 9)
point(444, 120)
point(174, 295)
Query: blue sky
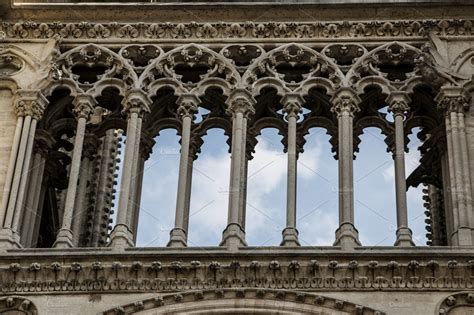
point(317, 207)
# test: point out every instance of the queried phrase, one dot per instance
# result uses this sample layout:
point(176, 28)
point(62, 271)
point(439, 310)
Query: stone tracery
point(142, 89)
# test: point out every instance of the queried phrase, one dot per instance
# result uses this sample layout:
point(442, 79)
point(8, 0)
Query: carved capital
point(241, 101)
point(83, 106)
point(345, 100)
point(30, 103)
point(292, 104)
point(398, 103)
point(188, 105)
point(452, 99)
point(136, 101)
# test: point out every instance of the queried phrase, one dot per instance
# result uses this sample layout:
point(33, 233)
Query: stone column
point(194, 150)
point(452, 101)
point(91, 144)
point(105, 180)
point(83, 107)
point(179, 234)
point(240, 104)
point(345, 104)
point(398, 105)
point(136, 104)
point(29, 107)
point(146, 147)
point(43, 143)
point(292, 108)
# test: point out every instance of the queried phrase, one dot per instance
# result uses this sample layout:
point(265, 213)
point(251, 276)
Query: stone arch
point(16, 57)
point(211, 70)
point(107, 65)
point(242, 301)
point(461, 303)
point(315, 69)
point(464, 63)
point(367, 70)
point(20, 65)
point(17, 305)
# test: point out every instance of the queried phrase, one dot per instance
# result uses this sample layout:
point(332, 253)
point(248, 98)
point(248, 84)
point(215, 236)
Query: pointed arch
point(210, 70)
point(292, 67)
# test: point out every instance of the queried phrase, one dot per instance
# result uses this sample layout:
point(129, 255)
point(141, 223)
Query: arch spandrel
point(19, 65)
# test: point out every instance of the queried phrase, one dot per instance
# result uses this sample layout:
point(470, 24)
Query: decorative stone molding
point(30, 103)
point(463, 302)
point(174, 273)
point(17, 305)
point(194, 297)
point(83, 106)
point(246, 30)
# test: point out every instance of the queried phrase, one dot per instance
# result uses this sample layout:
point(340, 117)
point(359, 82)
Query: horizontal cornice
point(235, 11)
point(238, 31)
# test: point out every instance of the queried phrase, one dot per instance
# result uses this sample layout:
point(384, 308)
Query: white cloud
point(266, 195)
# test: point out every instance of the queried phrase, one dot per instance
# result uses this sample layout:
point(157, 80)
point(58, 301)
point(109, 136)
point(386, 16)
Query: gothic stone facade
point(73, 77)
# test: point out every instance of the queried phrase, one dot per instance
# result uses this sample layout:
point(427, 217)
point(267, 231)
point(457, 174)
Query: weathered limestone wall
point(7, 130)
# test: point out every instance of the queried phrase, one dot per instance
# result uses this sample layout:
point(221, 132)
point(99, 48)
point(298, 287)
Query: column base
point(9, 239)
point(121, 237)
point(404, 237)
point(64, 239)
point(347, 236)
point(464, 236)
point(233, 237)
point(290, 237)
point(178, 238)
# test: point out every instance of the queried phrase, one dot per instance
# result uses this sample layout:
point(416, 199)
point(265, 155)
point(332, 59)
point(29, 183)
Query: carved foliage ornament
point(291, 65)
point(191, 65)
point(193, 30)
point(457, 104)
point(90, 63)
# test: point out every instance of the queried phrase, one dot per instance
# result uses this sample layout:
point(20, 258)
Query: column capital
point(292, 104)
point(241, 101)
point(136, 101)
point(83, 105)
point(188, 105)
point(452, 99)
point(30, 103)
point(345, 100)
point(398, 102)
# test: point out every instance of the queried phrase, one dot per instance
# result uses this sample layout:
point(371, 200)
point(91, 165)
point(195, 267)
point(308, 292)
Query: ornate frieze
point(120, 273)
point(236, 31)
